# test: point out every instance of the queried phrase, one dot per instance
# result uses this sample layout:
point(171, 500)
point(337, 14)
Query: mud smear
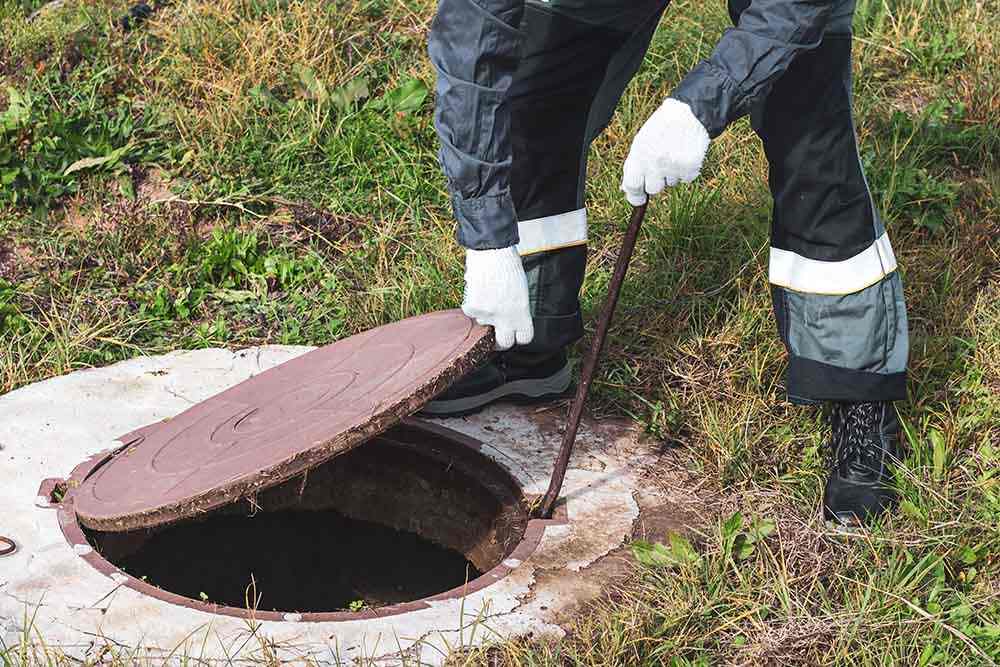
point(300, 561)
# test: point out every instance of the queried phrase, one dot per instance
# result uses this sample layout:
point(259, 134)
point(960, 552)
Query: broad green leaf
point(406, 98)
point(730, 531)
point(911, 510)
point(87, 163)
point(126, 186)
point(743, 548)
point(91, 162)
point(18, 110)
point(349, 94)
point(968, 556)
point(940, 453)
point(760, 528)
point(682, 549)
point(988, 452)
point(650, 554)
point(678, 553)
point(312, 86)
point(732, 525)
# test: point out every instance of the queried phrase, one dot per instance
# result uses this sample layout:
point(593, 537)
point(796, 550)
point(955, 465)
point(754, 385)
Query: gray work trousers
point(837, 295)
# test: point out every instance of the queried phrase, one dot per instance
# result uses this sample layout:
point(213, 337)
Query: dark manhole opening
point(409, 515)
point(317, 560)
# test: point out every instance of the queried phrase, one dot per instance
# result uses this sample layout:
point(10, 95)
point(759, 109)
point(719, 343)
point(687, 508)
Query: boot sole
point(521, 392)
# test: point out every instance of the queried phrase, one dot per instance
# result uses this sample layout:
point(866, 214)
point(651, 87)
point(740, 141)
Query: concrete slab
point(47, 589)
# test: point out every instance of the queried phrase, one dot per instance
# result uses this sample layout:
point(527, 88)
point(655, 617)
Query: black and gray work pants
point(837, 295)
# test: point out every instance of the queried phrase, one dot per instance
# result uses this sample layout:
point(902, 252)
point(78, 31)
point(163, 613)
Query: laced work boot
point(865, 443)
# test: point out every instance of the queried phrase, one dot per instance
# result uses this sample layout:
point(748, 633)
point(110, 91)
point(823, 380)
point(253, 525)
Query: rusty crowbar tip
point(590, 362)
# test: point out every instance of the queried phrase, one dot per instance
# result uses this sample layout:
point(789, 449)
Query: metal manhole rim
point(9, 549)
point(534, 530)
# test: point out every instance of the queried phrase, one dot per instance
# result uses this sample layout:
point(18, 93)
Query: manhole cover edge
point(248, 485)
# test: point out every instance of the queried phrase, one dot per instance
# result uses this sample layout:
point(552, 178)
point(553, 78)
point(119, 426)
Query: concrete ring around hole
point(54, 583)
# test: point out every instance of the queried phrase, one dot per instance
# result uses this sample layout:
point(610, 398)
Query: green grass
point(263, 171)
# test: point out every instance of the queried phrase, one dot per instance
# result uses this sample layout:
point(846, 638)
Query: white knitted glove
point(496, 293)
point(669, 149)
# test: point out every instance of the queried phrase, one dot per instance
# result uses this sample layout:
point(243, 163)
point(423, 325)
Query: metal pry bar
point(590, 362)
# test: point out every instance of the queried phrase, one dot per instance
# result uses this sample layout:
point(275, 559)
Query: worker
point(525, 86)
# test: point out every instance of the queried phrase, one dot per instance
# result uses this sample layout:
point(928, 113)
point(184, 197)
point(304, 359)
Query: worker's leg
point(836, 290)
point(578, 57)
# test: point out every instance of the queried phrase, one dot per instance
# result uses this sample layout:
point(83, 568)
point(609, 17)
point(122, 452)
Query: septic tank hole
point(292, 561)
point(415, 513)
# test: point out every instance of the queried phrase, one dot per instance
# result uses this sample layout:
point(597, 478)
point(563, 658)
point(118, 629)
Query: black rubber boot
point(516, 377)
point(865, 444)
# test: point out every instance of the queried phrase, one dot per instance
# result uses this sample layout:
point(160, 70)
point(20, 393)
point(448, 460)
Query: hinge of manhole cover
point(51, 492)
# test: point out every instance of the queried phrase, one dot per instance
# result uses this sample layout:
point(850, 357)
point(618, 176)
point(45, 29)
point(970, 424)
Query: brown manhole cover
point(280, 423)
point(301, 491)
